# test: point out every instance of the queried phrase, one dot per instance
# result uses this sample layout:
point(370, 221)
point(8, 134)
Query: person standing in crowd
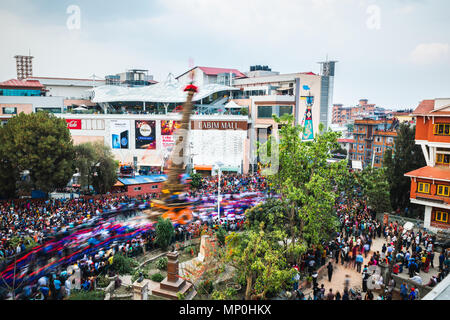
point(330, 271)
point(330, 295)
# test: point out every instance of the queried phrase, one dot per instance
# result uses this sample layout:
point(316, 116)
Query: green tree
point(105, 172)
point(196, 180)
point(260, 261)
point(40, 144)
point(375, 188)
point(407, 156)
point(96, 166)
point(306, 183)
point(164, 232)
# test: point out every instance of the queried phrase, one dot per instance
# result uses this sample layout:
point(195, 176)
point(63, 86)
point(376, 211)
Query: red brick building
point(138, 185)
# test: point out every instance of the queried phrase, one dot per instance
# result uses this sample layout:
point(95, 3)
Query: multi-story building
point(131, 78)
point(430, 185)
point(371, 140)
point(27, 88)
point(342, 115)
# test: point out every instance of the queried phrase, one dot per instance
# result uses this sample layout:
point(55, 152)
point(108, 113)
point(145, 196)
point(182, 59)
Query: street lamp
point(219, 197)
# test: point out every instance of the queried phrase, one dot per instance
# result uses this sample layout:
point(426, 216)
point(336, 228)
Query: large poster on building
point(145, 134)
point(120, 134)
point(168, 128)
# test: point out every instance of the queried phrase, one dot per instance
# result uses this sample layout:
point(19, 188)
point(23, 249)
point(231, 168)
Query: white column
point(426, 154)
point(427, 217)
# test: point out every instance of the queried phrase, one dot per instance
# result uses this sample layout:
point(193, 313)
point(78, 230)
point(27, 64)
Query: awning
point(262, 126)
point(233, 104)
point(118, 184)
point(203, 167)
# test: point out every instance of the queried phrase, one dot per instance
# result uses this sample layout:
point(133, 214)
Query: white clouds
point(430, 53)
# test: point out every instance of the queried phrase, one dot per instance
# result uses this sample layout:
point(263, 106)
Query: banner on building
point(145, 134)
point(168, 128)
point(73, 124)
point(120, 132)
point(308, 131)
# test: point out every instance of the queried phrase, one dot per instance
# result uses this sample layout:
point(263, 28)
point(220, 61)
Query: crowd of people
point(30, 222)
point(47, 263)
point(352, 245)
point(231, 184)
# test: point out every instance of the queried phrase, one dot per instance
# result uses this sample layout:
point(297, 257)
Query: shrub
point(192, 250)
point(158, 277)
point(122, 264)
point(164, 232)
point(206, 287)
point(103, 281)
point(161, 264)
point(221, 235)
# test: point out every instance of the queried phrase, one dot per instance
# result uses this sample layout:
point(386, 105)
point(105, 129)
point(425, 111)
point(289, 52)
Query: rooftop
point(14, 83)
point(169, 91)
point(143, 179)
point(212, 71)
point(435, 173)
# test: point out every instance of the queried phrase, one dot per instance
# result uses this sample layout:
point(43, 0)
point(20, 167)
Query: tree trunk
point(248, 290)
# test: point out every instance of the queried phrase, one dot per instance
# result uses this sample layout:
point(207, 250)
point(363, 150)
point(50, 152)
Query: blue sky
point(393, 52)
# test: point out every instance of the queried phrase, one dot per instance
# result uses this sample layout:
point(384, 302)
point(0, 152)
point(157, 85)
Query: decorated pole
point(174, 204)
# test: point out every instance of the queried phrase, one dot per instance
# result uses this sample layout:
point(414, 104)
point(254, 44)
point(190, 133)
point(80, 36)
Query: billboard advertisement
point(168, 127)
point(73, 124)
point(120, 132)
point(145, 134)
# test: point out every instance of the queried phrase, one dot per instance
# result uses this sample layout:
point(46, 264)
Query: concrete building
point(69, 88)
point(430, 185)
point(210, 75)
point(363, 110)
point(13, 105)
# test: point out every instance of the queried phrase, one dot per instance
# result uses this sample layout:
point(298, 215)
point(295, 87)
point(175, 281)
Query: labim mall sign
point(218, 125)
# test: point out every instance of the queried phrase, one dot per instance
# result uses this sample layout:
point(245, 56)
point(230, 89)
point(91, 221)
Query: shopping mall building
point(232, 112)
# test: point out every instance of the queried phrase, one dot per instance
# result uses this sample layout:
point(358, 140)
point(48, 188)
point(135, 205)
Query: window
point(265, 112)
point(443, 158)
point(389, 140)
point(93, 124)
point(377, 149)
point(377, 139)
point(137, 188)
point(361, 147)
point(441, 216)
point(423, 187)
point(9, 110)
point(442, 129)
point(284, 110)
point(155, 186)
point(443, 190)
point(49, 109)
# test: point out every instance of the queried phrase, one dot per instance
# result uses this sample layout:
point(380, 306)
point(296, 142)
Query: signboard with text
point(73, 124)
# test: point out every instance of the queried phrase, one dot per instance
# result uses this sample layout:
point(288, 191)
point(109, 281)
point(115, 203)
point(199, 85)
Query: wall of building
point(25, 108)
point(145, 188)
point(227, 145)
point(69, 92)
point(414, 193)
point(425, 129)
point(35, 102)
